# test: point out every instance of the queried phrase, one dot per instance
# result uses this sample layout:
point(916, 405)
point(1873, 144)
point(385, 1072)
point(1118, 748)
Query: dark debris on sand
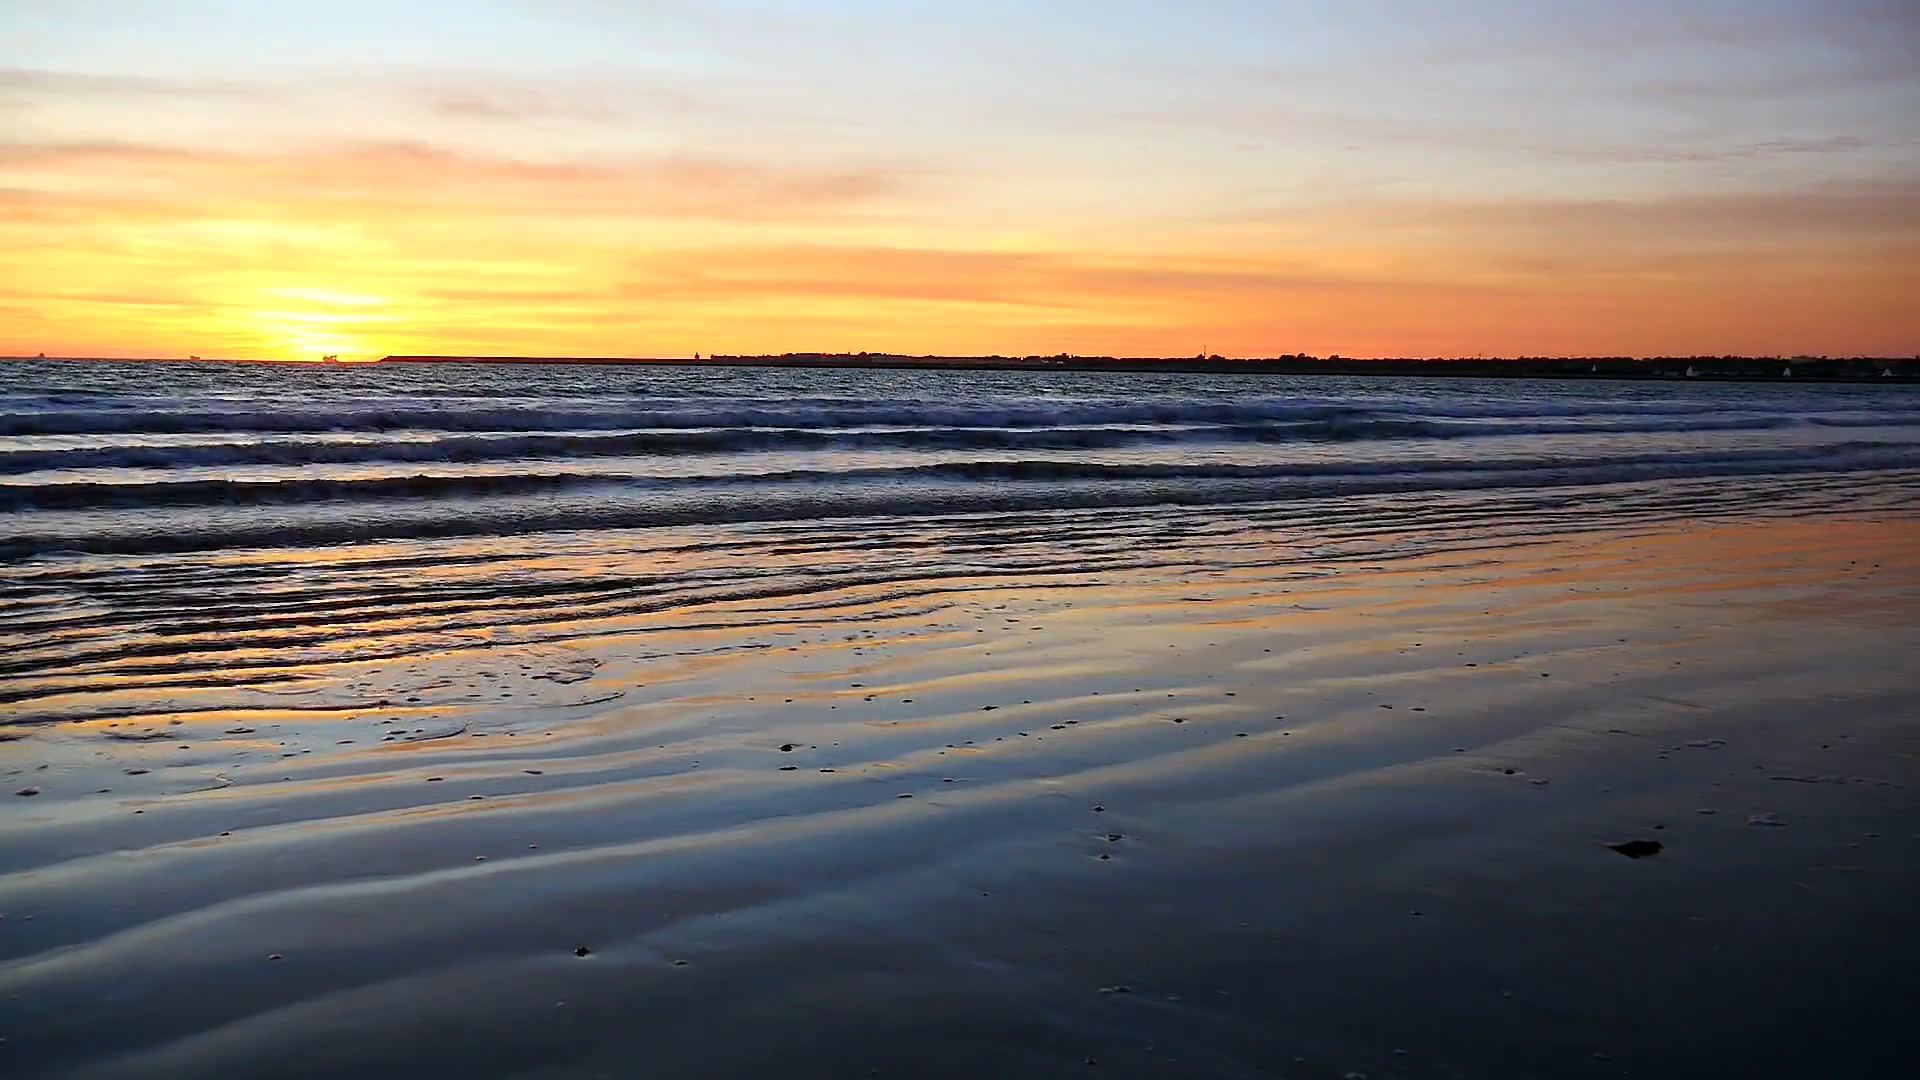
point(1638, 849)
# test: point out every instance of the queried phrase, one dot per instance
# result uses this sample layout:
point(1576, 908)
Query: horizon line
point(724, 358)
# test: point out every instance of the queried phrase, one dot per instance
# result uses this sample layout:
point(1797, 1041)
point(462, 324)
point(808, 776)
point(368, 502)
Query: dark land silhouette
point(1722, 368)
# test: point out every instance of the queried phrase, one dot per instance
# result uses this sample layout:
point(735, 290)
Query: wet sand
point(1311, 810)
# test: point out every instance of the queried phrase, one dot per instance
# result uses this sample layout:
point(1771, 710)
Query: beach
point(942, 724)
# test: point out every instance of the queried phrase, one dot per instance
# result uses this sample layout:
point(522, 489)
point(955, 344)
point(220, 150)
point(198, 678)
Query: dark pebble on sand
point(680, 963)
point(534, 772)
point(274, 956)
point(789, 768)
point(138, 772)
point(28, 791)
point(582, 950)
point(904, 795)
point(786, 748)
point(435, 779)
point(1638, 849)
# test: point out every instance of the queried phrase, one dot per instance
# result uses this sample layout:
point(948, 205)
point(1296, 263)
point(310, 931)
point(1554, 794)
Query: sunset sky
point(1446, 177)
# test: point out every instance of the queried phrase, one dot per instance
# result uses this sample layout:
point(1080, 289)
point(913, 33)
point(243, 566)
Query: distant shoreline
point(1722, 369)
point(1862, 369)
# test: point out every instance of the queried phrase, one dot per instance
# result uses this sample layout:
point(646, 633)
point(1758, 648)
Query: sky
point(283, 179)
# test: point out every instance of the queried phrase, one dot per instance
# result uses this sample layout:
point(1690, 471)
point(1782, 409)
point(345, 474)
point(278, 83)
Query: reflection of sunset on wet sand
point(719, 760)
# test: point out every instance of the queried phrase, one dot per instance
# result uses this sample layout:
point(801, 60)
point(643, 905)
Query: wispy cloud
point(1449, 134)
point(1834, 217)
point(22, 82)
point(105, 152)
point(1086, 283)
point(1784, 146)
point(602, 100)
point(1642, 28)
point(433, 180)
point(1848, 73)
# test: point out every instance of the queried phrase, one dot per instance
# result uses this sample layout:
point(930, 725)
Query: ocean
point(546, 720)
point(152, 458)
point(352, 509)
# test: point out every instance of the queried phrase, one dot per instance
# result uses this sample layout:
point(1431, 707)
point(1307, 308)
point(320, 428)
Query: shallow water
point(161, 457)
point(1299, 772)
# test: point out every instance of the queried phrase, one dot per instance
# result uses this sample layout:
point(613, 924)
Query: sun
point(314, 324)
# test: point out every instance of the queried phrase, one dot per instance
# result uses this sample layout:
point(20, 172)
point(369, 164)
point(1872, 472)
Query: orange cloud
point(368, 248)
point(425, 179)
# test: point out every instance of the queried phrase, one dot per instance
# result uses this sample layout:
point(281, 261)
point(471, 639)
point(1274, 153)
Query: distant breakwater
point(1742, 369)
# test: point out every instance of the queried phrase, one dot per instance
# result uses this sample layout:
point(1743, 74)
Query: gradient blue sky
point(1451, 177)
